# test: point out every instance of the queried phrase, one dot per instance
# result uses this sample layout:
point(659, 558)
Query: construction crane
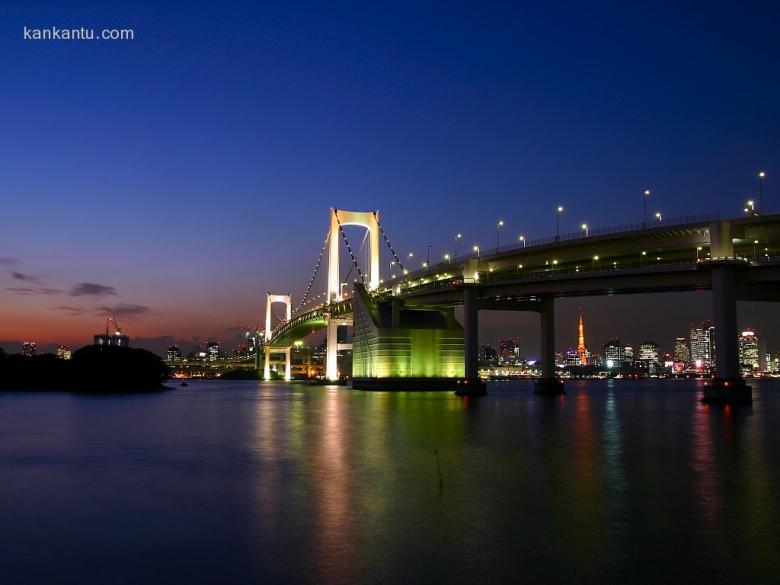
point(111, 319)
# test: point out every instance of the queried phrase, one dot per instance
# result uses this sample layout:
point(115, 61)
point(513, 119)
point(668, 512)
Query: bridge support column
point(548, 384)
point(728, 386)
point(267, 365)
point(471, 383)
point(331, 350)
point(287, 364)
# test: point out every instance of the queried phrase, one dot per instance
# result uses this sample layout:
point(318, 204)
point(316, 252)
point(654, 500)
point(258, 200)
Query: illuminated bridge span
point(404, 325)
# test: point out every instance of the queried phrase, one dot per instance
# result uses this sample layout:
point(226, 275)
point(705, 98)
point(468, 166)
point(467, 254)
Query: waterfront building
point(703, 345)
point(614, 353)
point(628, 354)
point(748, 352)
point(63, 352)
point(173, 354)
point(648, 355)
point(508, 351)
point(681, 351)
point(212, 349)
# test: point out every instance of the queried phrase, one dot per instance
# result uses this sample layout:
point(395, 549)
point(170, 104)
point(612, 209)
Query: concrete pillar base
point(471, 387)
point(727, 391)
point(549, 387)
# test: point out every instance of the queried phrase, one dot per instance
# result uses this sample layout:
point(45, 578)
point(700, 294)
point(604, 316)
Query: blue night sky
point(190, 170)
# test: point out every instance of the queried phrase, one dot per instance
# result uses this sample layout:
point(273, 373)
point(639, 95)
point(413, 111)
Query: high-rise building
point(212, 349)
point(581, 351)
point(648, 352)
point(628, 354)
point(508, 351)
point(614, 354)
point(173, 354)
point(681, 351)
point(63, 352)
point(29, 348)
point(572, 357)
point(649, 356)
point(748, 351)
point(703, 345)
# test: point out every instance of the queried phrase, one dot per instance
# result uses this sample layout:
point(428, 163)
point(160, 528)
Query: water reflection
point(283, 483)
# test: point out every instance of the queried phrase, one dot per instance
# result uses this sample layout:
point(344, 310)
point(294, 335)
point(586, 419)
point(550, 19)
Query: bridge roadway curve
point(669, 257)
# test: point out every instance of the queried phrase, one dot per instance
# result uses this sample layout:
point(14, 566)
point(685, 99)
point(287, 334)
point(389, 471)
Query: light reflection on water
point(235, 482)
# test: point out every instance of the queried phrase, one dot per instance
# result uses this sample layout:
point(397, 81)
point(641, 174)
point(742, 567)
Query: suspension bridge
point(406, 335)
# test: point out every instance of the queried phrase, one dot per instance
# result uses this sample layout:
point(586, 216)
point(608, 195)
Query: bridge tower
point(338, 219)
point(269, 301)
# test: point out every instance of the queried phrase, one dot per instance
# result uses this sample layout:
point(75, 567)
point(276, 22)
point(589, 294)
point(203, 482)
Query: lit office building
point(63, 352)
point(681, 351)
point(748, 351)
point(648, 355)
point(173, 354)
point(614, 354)
point(29, 348)
point(212, 349)
point(703, 345)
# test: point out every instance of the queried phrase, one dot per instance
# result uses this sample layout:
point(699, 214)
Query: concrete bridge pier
point(471, 383)
point(331, 350)
point(728, 387)
point(548, 384)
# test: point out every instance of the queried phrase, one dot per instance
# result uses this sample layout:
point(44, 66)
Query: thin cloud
point(92, 289)
point(8, 261)
point(126, 310)
point(26, 291)
point(33, 278)
point(71, 311)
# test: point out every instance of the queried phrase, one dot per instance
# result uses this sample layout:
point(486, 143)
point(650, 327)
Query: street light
point(447, 258)
point(645, 197)
point(499, 224)
point(428, 256)
point(658, 216)
point(761, 175)
point(754, 249)
point(698, 249)
point(476, 249)
point(521, 238)
point(751, 208)
point(458, 237)
point(585, 228)
point(558, 212)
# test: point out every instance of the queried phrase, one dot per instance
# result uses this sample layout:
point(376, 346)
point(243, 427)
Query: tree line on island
point(90, 369)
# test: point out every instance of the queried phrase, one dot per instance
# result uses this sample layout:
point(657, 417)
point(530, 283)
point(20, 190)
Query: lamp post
point(521, 238)
point(585, 229)
point(761, 175)
point(645, 197)
point(499, 225)
point(458, 237)
point(754, 249)
point(476, 249)
point(698, 249)
point(428, 256)
point(448, 258)
point(558, 212)
point(658, 216)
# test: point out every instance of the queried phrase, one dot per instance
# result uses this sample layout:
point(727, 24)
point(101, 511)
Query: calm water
point(232, 482)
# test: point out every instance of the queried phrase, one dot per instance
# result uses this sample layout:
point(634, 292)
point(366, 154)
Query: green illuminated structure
point(393, 341)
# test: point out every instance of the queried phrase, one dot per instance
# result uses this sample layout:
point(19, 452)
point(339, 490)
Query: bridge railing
point(555, 273)
point(493, 252)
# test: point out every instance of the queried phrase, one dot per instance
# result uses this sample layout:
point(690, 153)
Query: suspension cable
point(349, 248)
point(387, 241)
point(313, 276)
point(362, 244)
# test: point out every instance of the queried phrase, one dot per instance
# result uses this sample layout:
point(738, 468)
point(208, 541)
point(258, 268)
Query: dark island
point(91, 369)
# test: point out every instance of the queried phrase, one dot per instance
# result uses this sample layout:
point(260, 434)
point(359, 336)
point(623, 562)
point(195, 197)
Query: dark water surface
point(238, 482)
